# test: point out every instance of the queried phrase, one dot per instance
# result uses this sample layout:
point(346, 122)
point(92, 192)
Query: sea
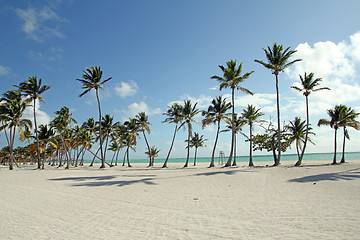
point(259, 158)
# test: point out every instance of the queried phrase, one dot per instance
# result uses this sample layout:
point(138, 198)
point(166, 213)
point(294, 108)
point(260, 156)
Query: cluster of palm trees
point(66, 145)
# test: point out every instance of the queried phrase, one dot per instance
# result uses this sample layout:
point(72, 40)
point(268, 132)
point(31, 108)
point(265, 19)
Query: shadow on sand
point(103, 181)
point(351, 174)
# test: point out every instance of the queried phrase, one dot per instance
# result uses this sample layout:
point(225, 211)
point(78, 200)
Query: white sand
point(196, 203)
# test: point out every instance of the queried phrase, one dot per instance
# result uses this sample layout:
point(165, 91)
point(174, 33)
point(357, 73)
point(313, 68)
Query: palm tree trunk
point(127, 154)
point(234, 162)
point(297, 149)
point(100, 136)
point(112, 159)
point(188, 147)
point(298, 163)
point(147, 144)
point(277, 161)
point(251, 164)
point(11, 161)
point(172, 143)
point(117, 156)
point(212, 163)
point(334, 159)
point(228, 163)
point(92, 163)
point(37, 138)
point(343, 150)
point(195, 156)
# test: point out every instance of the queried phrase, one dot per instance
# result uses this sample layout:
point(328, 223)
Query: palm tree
point(250, 115)
point(188, 114)
point(308, 85)
point(32, 88)
point(62, 123)
point(232, 79)
point(348, 119)
point(298, 133)
point(277, 60)
point(92, 80)
point(336, 116)
point(44, 136)
point(152, 153)
point(131, 135)
point(174, 116)
point(196, 141)
point(215, 113)
point(143, 122)
point(12, 108)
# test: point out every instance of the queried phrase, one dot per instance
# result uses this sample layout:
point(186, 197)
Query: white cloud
point(135, 108)
point(126, 89)
point(336, 64)
point(40, 23)
point(4, 70)
point(41, 116)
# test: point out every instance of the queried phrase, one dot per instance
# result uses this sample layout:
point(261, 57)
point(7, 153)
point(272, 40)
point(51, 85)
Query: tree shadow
point(104, 181)
point(351, 174)
point(227, 172)
point(147, 181)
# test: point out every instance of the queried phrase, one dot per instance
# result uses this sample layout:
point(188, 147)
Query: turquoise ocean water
point(284, 157)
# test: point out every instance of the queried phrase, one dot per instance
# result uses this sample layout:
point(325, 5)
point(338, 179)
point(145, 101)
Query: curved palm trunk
point(147, 144)
point(117, 157)
point(334, 159)
point(172, 143)
point(188, 148)
point(277, 160)
point(343, 150)
point(251, 164)
point(228, 163)
point(100, 136)
point(127, 154)
point(124, 157)
point(37, 138)
point(212, 163)
point(92, 162)
point(195, 156)
point(298, 163)
point(297, 149)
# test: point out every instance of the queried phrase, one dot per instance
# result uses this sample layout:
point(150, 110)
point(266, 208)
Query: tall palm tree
point(250, 115)
point(32, 88)
point(174, 116)
point(298, 133)
point(277, 60)
point(232, 79)
point(92, 80)
point(196, 141)
point(144, 123)
point(215, 113)
point(336, 116)
point(188, 114)
point(348, 119)
point(12, 108)
point(308, 85)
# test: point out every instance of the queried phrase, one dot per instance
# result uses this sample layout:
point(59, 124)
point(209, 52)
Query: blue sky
point(158, 52)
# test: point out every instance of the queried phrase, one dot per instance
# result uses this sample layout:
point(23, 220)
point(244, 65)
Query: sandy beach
point(315, 201)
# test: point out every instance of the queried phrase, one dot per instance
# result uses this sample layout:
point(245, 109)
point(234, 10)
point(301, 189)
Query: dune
point(315, 201)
